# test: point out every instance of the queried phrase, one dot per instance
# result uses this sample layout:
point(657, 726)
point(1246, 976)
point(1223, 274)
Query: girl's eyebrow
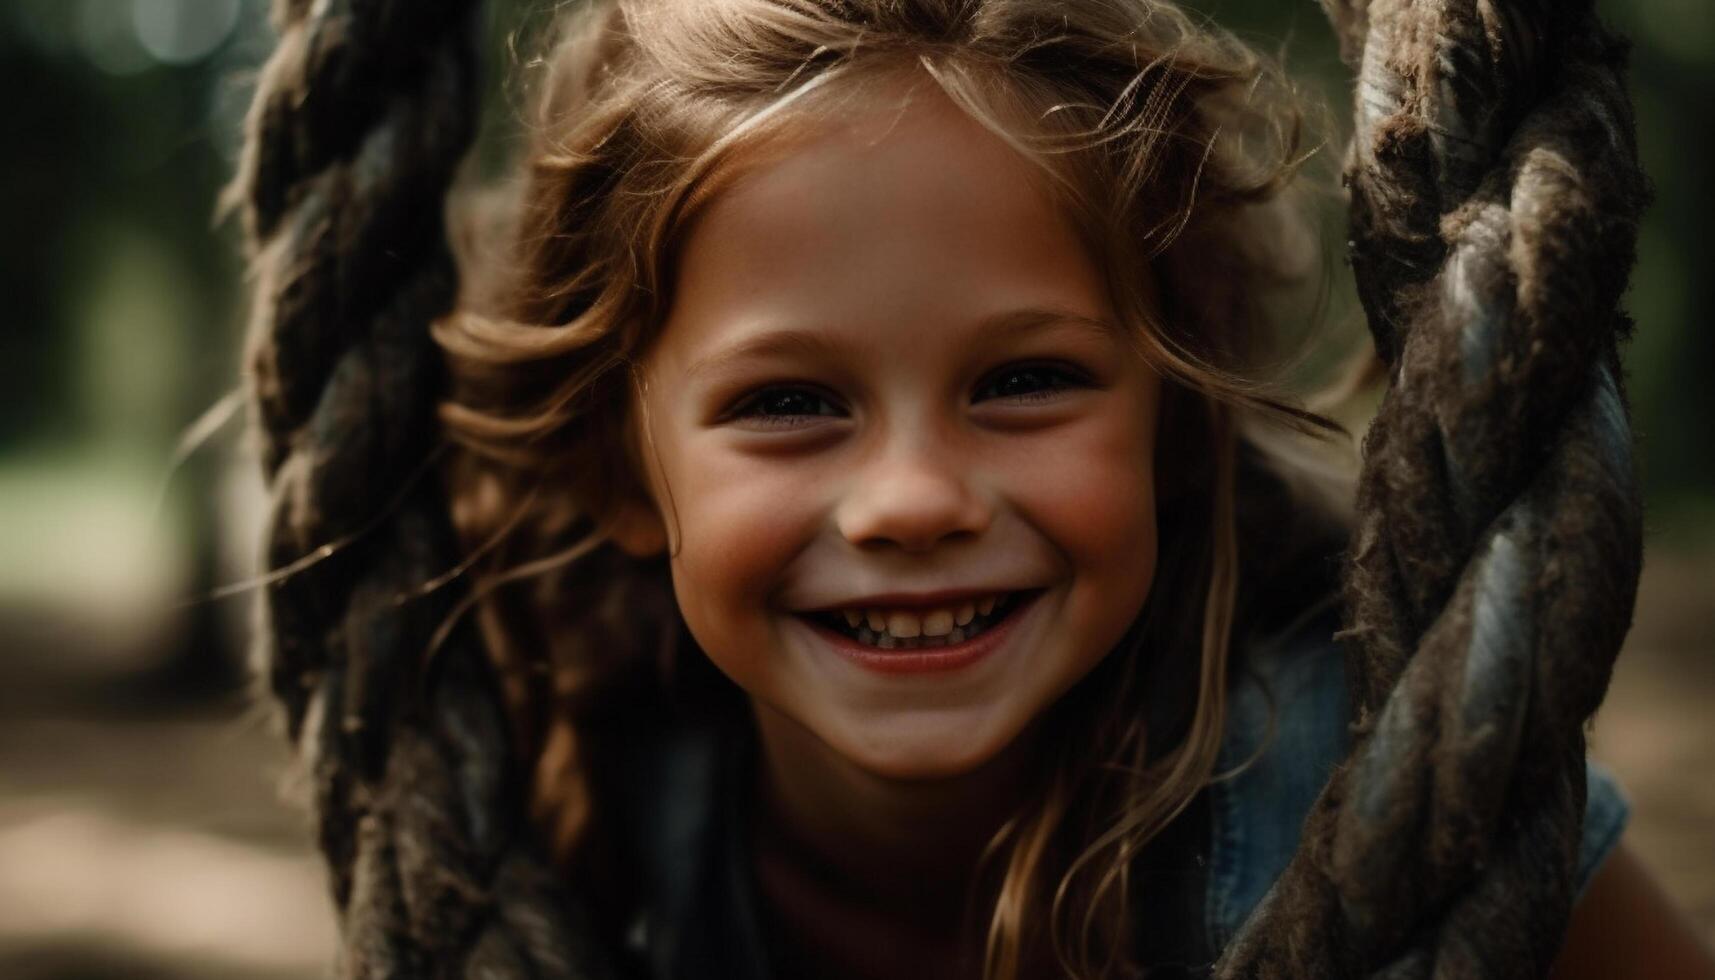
point(1005, 325)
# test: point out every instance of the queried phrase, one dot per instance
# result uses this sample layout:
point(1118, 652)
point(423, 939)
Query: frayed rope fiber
point(1495, 200)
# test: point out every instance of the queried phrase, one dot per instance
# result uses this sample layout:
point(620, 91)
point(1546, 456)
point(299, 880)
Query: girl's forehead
point(894, 207)
point(886, 130)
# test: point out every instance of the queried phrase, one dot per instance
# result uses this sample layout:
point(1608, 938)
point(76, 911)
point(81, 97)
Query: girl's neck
point(910, 847)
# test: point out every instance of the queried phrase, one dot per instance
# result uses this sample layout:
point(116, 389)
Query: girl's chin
point(910, 746)
point(926, 750)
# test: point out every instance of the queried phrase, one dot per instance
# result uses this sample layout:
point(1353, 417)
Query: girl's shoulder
point(1287, 730)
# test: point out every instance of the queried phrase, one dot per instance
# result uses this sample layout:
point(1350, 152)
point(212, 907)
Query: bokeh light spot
point(182, 32)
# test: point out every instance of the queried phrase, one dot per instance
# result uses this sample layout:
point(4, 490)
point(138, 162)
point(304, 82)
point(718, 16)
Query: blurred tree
point(57, 123)
point(121, 320)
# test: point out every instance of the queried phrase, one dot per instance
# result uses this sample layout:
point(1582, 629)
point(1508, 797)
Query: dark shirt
point(1194, 885)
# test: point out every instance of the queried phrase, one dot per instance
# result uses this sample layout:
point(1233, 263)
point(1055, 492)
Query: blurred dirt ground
point(147, 840)
point(1656, 729)
point(141, 838)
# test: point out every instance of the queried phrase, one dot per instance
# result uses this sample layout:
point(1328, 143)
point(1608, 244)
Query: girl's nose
point(913, 500)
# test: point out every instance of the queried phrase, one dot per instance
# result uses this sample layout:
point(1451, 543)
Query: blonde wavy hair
point(1172, 146)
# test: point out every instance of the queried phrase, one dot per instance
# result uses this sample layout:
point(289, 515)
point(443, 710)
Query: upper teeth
point(904, 624)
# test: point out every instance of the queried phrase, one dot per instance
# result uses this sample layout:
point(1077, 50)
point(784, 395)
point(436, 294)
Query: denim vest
point(1205, 873)
point(1258, 813)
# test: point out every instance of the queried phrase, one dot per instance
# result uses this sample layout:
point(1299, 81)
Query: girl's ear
point(637, 529)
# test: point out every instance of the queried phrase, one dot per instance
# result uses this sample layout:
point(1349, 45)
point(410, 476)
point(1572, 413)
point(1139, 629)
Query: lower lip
point(926, 661)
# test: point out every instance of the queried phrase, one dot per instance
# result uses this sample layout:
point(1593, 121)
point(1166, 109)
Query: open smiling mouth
point(886, 629)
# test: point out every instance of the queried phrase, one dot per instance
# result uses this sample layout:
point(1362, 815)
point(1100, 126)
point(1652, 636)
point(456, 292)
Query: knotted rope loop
point(1495, 199)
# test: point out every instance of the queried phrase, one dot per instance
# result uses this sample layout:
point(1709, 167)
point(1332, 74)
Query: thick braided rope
point(1495, 199)
point(360, 119)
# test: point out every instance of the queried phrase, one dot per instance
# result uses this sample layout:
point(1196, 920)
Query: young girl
point(902, 360)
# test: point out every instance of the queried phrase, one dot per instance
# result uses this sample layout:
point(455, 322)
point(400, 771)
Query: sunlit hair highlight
point(1173, 148)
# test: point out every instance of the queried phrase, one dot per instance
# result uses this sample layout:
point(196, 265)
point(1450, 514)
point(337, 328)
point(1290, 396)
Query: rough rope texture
point(361, 116)
point(1495, 200)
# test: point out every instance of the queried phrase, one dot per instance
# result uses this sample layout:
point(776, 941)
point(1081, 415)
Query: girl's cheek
point(1090, 488)
point(745, 514)
point(741, 521)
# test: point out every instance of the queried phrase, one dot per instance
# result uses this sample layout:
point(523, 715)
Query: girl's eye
point(778, 407)
point(1031, 382)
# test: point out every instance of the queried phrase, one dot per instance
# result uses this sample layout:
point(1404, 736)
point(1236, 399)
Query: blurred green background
point(141, 828)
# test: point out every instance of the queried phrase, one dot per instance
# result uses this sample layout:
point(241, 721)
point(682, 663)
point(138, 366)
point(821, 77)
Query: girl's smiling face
point(891, 381)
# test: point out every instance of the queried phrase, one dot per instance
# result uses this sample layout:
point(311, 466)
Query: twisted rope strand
point(1495, 200)
point(362, 115)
